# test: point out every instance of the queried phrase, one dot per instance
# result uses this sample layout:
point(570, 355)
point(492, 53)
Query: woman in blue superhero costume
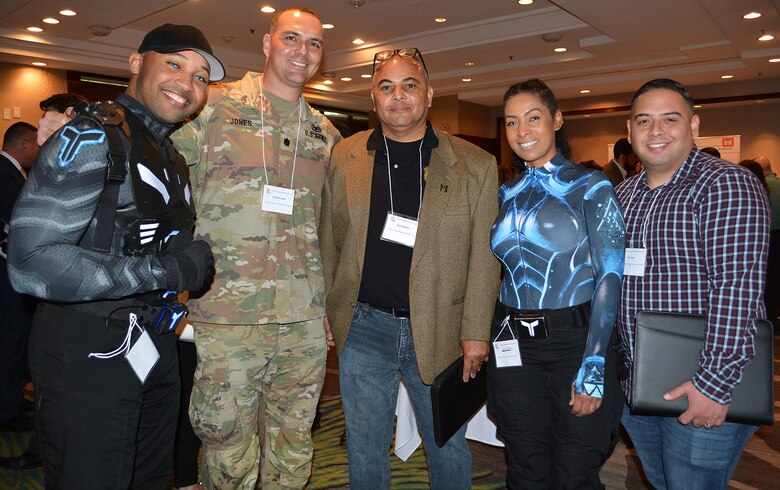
point(560, 237)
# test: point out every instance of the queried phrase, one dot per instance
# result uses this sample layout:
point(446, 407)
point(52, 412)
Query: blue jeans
point(379, 352)
point(681, 456)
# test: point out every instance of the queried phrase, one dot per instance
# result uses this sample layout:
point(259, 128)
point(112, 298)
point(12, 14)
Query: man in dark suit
point(18, 154)
point(410, 280)
point(622, 166)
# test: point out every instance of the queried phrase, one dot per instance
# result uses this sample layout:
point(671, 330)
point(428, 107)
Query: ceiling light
point(697, 106)
point(346, 79)
point(67, 13)
point(525, 2)
point(38, 63)
point(51, 20)
point(726, 77)
point(560, 50)
point(466, 79)
point(267, 9)
point(34, 29)
point(328, 26)
point(99, 30)
point(328, 82)
point(469, 63)
point(765, 37)
point(751, 15)
point(440, 19)
point(585, 91)
point(365, 75)
point(358, 41)
point(774, 60)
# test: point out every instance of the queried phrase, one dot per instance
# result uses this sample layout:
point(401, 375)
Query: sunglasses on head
point(385, 55)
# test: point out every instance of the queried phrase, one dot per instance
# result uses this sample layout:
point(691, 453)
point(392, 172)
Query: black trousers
point(16, 312)
point(99, 427)
point(187, 443)
point(547, 446)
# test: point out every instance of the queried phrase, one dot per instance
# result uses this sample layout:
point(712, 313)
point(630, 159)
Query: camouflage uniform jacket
point(268, 265)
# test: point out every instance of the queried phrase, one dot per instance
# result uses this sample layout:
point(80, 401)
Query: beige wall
point(756, 123)
point(443, 113)
point(462, 117)
point(24, 87)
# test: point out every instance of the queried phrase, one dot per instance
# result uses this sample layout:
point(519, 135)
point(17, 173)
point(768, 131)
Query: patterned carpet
point(329, 467)
point(330, 458)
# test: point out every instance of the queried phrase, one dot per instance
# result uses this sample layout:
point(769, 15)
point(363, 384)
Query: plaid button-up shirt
point(706, 233)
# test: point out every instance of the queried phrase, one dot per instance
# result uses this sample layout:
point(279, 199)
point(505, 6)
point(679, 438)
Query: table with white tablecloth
point(407, 438)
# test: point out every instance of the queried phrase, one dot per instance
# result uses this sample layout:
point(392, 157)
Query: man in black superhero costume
point(102, 233)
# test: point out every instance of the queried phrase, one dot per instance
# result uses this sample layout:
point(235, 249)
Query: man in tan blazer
point(410, 279)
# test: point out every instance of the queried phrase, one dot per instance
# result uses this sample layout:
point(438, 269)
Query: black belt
point(536, 322)
point(396, 312)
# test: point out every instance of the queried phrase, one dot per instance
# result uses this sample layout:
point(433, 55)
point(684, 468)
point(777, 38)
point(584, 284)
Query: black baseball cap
point(171, 38)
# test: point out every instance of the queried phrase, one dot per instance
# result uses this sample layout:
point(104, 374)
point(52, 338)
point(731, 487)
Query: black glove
point(189, 264)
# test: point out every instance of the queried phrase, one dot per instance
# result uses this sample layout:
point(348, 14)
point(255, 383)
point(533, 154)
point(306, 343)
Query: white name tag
point(143, 356)
point(507, 353)
point(278, 199)
point(400, 230)
point(635, 262)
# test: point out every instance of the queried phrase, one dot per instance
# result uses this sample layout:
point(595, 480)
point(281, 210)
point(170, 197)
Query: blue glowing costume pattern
point(560, 236)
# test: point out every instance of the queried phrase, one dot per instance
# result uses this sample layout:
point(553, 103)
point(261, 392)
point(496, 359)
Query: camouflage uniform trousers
point(253, 402)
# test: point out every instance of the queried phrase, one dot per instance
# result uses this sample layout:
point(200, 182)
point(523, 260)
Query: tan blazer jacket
point(454, 277)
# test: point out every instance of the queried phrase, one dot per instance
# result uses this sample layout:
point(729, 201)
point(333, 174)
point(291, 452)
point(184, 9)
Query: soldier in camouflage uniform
point(259, 329)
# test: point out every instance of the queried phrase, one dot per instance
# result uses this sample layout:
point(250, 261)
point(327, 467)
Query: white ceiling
point(613, 45)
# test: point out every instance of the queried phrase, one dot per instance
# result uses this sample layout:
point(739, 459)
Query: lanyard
point(262, 130)
point(390, 178)
point(125, 347)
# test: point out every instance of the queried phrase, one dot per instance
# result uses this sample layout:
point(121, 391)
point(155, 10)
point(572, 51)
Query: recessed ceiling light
point(51, 20)
point(365, 75)
point(328, 82)
point(726, 77)
point(346, 79)
point(560, 50)
point(697, 106)
point(68, 13)
point(328, 26)
point(585, 91)
point(774, 60)
point(38, 63)
point(751, 15)
point(440, 19)
point(525, 2)
point(760, 101)
point(469, 63)
point(466, 79)
point(358, 41)
point(34, 29)
point(267, 9)
point(765, 36)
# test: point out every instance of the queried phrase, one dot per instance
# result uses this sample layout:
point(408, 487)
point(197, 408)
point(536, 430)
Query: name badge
point(278, 199)
point(399, 229)
point(507, 353)
point(635, 262)
point(143, 356)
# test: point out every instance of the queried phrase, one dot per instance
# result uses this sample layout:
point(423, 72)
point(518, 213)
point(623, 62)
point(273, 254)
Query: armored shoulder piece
point(106, 112)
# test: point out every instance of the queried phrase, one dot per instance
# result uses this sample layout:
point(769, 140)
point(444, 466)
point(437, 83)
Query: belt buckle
point(530, 326)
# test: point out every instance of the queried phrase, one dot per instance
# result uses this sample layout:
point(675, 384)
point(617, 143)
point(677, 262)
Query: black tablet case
point(455, 402)
point(666, 354)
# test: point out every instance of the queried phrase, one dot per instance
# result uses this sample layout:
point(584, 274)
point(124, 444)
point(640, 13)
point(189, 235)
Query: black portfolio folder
point(455, 402)
point(666, 354)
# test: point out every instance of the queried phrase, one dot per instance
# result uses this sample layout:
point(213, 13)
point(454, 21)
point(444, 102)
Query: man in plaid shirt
point(697, 232)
